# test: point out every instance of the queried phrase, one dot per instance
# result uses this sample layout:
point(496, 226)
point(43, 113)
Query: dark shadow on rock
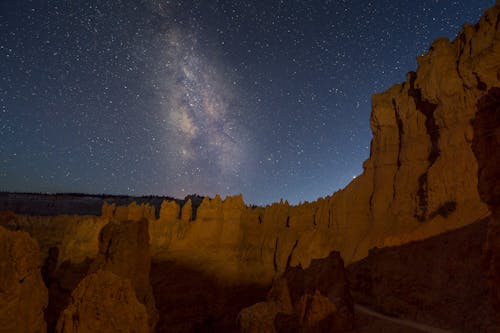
point(439, 281)
point(191, 301)
point(60, 281)
point(311, 300)
point(486, 147)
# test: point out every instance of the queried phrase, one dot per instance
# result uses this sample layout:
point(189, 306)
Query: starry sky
point(266, 98)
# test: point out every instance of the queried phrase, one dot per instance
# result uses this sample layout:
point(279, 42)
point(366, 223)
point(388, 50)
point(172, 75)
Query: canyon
point(428, 197)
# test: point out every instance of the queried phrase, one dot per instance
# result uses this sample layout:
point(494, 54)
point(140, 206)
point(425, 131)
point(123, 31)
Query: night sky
point(266, 98)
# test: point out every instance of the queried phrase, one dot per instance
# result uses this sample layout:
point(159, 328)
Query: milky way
point(270, 99)
point(196, 102)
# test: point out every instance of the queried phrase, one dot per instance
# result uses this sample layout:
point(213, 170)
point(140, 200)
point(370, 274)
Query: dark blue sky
point(266, 98)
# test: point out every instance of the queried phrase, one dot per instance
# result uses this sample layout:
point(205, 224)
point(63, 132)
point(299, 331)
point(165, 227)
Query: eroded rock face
point(104, 302)
point(315, 299)
point(486, 146)
point(124, 250)
point(23, 296)
point(421, 166)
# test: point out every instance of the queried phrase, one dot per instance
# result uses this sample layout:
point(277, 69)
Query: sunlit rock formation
point(103, 302)
point(23, 296)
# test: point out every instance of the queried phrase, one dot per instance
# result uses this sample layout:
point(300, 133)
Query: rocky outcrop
point(315, 299)
point(23, 296)
point(104, 302)
point(438, 281)
point(486, 146)
point(124, 250)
